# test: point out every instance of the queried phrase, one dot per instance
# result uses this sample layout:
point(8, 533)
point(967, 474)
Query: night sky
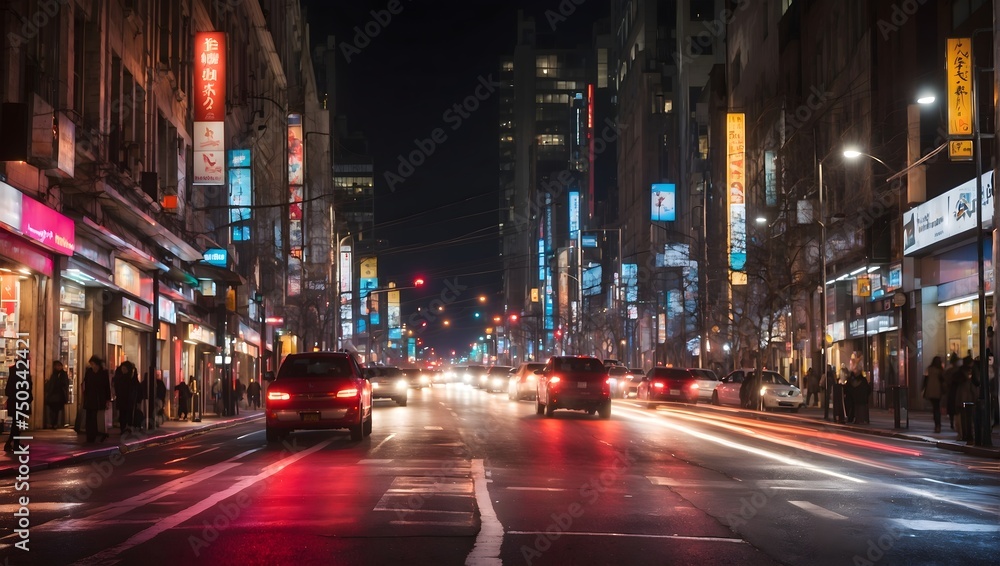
point(438, 221)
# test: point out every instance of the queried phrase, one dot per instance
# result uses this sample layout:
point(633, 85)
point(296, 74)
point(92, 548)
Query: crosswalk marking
point(920, 525)
point(817, 510)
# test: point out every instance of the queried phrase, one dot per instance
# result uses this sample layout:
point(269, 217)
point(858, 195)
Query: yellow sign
point(864, 287)
point(231, 300)
point(738, 277)
point(369, 268)
point(736, 191)
point(960, 150)
point(534, 294)
point(958, 62)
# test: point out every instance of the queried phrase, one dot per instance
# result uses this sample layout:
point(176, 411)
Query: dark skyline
point(422, 89)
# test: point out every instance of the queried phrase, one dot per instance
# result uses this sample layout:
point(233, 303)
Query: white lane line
point(512, 488)
point(633, 535)
point(435, 523)
point(486, 551)
point(249, 434)
point(433, 428)
point(379, 445)
point(375, 461)
point(109, 556)
point(917, 525)
point(818, 511)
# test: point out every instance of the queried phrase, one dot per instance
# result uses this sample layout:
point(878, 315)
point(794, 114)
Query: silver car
point(707, 382)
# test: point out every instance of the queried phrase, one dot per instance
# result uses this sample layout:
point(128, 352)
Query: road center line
point(110, 556)
point(486, 551)
point(630, 535)
point(817, 510)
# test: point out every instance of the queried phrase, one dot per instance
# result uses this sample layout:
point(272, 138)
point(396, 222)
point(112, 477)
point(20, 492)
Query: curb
point(132, 446)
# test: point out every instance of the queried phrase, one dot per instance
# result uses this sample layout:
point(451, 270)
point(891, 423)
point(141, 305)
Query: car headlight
point(374, 385)
point(764, 390)
point(531, 378)
point(401, 384)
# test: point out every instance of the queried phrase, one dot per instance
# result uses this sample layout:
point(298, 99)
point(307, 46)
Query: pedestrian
point(966, 391)
point(195, 399)
point(241, 392)
point(848, 380)
point(183, 400)
point(161, 397)
point(19, 399)
point(217, 396)
point(96, 398)
point(812, 386)
point(933, 389)
point(126, 386)
point(861, 390)
point(750, 390)
point(952, 377)
point(253, 394)
point(56, 395)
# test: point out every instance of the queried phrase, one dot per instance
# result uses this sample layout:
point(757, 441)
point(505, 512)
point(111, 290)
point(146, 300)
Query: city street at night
point(464, 476)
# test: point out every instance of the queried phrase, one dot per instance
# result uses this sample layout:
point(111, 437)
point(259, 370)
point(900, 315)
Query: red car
point(668, 384)
point(574, 382)
point(316, 391)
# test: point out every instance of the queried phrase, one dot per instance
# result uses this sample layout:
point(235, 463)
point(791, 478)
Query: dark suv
point(574, 382)
point(318, 390)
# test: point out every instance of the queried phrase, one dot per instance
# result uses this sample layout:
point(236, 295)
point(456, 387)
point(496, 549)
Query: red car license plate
point(310, 417)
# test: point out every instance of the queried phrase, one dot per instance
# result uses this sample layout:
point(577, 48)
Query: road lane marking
point(249, 434)
point(109, 556)
point(376, 461)
point(630, 535)
point(818, 511)
point(486, 551)
point(918, 525)
point(157, 472)
point(379, 445)
point(514, 488)
point(433, 428)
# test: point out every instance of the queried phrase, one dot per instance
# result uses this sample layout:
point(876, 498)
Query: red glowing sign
point(210, 76)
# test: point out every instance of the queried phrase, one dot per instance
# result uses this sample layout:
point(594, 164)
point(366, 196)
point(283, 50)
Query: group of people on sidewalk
point(957, 385)
point(854, 390)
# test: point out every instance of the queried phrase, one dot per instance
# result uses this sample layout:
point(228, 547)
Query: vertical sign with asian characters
point(736, 193)
point(296, 179)
point(961, 110)
point(770, 179)
point(574, 215)
point(209, 108)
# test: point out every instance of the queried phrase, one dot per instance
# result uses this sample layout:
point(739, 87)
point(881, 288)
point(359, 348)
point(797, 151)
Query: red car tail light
point(278, 396)
point(352, 392)
point(694, 386)
point(658, 384)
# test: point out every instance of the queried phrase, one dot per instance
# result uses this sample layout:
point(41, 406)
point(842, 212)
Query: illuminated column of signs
point(346, 294)
point(395, 320)
point(240, 193)
point(209, 108)
point(296, 179)
point(736, 195)
point(960, 106)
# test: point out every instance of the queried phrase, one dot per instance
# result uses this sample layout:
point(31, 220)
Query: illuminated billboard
point(736, 192)
point(209, 101)
point(664, 205)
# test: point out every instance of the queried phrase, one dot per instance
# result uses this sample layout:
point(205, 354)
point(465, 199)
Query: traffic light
point(418, 282)
point(476, 315)
point(513, 318)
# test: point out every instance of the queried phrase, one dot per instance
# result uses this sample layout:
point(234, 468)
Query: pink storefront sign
point(47, 227)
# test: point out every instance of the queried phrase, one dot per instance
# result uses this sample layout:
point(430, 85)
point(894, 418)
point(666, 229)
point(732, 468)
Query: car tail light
point(694, 386)
point(278, 396)
point(658, 384)
point(352, 392)
point(554, 380)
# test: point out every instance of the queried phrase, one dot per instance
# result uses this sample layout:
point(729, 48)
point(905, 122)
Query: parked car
point(774, 391)
point(621, 377)
point(609, 363)
point(668, 384)
point(574, 382)
point(707, 382)
point(522, 383)
point(388, 382)
point(315, 391)
point(497, 378)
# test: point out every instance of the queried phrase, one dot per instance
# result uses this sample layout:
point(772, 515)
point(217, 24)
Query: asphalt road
point(460, 476)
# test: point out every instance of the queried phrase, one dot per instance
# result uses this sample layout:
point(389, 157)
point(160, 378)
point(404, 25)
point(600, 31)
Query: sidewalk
point(64, 447)
point(921, 427)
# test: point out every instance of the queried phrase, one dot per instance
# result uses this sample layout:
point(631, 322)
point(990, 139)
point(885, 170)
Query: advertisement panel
point(209, 102)
point(664, 204)
point(947, 215)
point(736, 194)
point(961, 107)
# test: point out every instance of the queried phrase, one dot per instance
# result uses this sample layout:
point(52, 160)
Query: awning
point(128, 250)
point(220, 274)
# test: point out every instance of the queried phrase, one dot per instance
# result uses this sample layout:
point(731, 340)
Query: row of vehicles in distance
point(331, 390)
